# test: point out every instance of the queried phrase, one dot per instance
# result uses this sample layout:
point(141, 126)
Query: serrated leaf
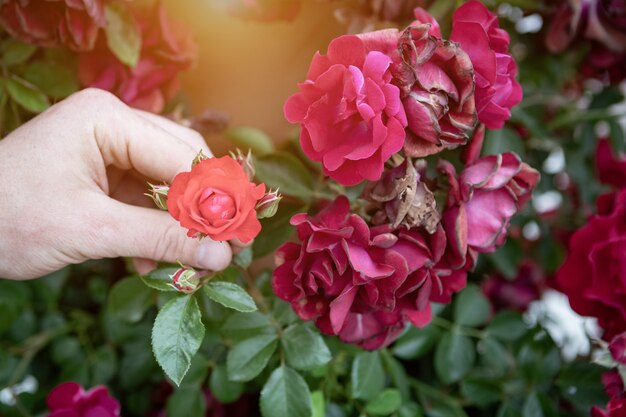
point(245, 138)
point(286, 394)
point(129, 300)
point(26, 95)
point(160, 279)
point(230, 295)
point(385, 403)
point(53, 78)
point(242, 325)
point(249, 357)
point(176, 336)
point(471, 307)
point(123, 35)
point(224, 390)
point(284, 171)
point(304, 348)
point(368, 375)
point(416, 342)
point(15, 52)
point(454, 357)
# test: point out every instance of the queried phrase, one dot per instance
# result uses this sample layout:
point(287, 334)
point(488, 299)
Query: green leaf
point(286, 394)
point(104, 366)
point(129, 300)
point(480, 391)
point(508, 326)
point(250, 138)
point(244, 258)
point(186, 401)
point(387, 402)
point(15, 52)
point(416, 342)
point(318, 403)
point(501, 141)
point(471, 307)
point(368, 376)
point(304, 348)
point(197, 373)
point(176, 336)
point(397, 373)
point(53, 78)
point(580, 383)
point(532, 406)
point(160, 279)
point(286, 172)
point(249, 357)
point(27, 95)
point(230, 295)
point(454, 357)
point(437, 403)
point(508, 258)
point(123, 35)
point(276, 230)
point(243, 325)
point(224, 390)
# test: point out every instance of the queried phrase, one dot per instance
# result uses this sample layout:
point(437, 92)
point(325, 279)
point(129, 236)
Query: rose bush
point(216, 199)
point(71, 400)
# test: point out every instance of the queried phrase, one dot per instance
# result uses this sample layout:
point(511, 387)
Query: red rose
point(165, 51)
point(476, 29)
point(70, 400)
point(518, 293)
point(615, 408)
point(617, 347)
point(593, 274)
point(611, 168)
point(73, 23)
point(216, 199)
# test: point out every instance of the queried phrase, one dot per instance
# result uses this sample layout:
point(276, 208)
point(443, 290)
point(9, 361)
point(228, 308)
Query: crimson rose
point(216, 199)
point(70, 400)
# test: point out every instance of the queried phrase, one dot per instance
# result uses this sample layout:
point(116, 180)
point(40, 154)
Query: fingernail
point(213, 255)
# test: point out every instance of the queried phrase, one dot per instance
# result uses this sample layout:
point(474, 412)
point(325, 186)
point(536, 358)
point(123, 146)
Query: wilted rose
point(166, 50)
point(476, 29)
point(351, 115)
point(70, 400)
point(51, 23)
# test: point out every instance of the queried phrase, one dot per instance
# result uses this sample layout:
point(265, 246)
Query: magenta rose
point(52, 23)
point(518, 293)
point(436, 78)
point(617, 347)
point(611, 168)
point(166, 50)
point(351, 115)
point(481, 202)
point(70, 400)
point(476, 29)
point(358, 283)
point(593, 274)
point(615, 408)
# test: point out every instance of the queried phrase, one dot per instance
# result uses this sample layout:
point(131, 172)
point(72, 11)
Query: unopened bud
point(199, 158)
point(185, 280)
point(268, 205)
point(246, 162)
point(158, 194)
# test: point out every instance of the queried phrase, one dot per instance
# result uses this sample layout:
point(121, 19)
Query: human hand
point(71, 188)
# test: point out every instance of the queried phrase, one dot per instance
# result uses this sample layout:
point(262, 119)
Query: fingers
point(153, 234)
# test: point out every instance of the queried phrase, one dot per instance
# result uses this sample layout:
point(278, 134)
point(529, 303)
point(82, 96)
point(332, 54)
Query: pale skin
point(71, 189)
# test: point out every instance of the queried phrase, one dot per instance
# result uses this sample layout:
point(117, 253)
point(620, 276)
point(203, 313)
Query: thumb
point(154, 234)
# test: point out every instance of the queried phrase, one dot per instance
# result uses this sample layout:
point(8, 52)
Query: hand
point(72, 183)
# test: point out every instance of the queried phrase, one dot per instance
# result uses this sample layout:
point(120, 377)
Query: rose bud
point(199, 158)
point(158, 194)
point(268, 205)
point(186, 280)
point(246, 162)
point(617, 347)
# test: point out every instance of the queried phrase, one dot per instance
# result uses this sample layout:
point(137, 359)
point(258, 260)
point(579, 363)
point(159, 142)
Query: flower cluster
point(372, 109)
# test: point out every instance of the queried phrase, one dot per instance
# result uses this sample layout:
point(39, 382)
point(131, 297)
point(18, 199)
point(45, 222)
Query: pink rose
point(437, 83)
point(70, 400)
point(351, 115)
point(476, 29)
point(482, 201)
point(165, 51)
point(592, 275)
point(362, 284)
point(611, 168)
point(72, 23)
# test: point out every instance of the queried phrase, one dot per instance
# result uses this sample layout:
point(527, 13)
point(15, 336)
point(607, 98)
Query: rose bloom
point(358, 283)
point(216, 199)
point(266, 10)
point(617, 347)
point(611, 169)
point(166, 50)
point(592, 275)
point(70, 400)
point(604, 65)
point(436, 78)
point(476, 29)
point(615, 408)
point(351, 115)
point(52, 23)
point(517, 293)
point(481, 202)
